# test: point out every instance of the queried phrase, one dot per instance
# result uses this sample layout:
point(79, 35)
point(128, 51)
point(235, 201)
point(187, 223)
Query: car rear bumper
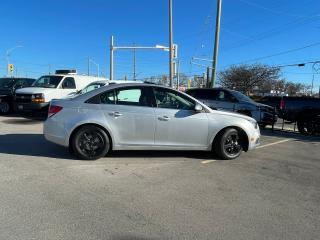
point(30, 107)
point(55, 132)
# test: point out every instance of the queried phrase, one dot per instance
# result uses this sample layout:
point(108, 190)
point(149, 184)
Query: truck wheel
point(4, 108)
point(228, 144)
point(90, 143)
point(305, 127)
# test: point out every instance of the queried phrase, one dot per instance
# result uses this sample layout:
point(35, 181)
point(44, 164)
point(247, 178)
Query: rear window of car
point(203, 94)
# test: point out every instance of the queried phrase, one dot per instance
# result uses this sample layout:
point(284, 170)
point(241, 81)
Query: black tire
point(228, 144)
point(90, 143)
point(306, 127)
point(5, 108)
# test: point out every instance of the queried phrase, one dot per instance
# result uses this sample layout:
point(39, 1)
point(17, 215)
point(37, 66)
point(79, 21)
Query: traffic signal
point(10, 68)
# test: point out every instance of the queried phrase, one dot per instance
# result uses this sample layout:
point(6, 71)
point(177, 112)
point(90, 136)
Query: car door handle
point(115, 114)
point(164, 118)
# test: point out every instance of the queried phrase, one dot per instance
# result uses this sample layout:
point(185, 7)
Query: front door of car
point(129, 115)
point(67, 86)
point(225, 101)
point(177, 123)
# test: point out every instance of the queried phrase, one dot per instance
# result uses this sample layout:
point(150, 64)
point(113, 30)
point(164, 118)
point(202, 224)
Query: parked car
point(48, 87)
point(303, 110)
point(234, 101)
point(146, 117)
point(8, 87)
point(98, 84)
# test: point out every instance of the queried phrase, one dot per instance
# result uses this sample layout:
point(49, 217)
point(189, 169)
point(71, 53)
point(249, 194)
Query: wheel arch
point(92, 124)
point(243, 136)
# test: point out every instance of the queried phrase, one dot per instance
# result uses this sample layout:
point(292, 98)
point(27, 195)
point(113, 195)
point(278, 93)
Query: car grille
point(23, 98)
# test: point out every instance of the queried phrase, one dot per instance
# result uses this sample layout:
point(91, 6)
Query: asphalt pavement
point(272, 192)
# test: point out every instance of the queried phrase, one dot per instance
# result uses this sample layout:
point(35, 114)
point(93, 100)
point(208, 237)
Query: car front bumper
point(30, 107)
point(254, 139)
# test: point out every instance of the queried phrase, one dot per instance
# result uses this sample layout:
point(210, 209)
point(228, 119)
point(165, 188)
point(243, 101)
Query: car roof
point(215, 88)
point(95, 92)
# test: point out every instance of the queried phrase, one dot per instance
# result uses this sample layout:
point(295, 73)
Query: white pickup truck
point(48, 87)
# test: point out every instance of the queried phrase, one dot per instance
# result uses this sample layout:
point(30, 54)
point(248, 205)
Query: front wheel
point(4, 108)
point(90, 143)
point(228, 144)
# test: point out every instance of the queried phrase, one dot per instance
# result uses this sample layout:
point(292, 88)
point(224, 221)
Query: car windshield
point(48, 81)
point(6, 82)
point(91, 87)
point(240, 96)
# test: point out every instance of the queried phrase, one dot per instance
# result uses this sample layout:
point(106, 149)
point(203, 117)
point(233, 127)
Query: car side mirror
point(198, 107)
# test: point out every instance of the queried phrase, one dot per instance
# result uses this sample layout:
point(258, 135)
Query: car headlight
point(38, 98)
point(254, 123)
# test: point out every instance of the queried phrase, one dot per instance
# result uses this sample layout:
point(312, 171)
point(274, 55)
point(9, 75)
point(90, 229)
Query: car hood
point(33, 90)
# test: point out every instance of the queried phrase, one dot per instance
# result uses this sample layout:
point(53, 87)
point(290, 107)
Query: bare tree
point(246, 78)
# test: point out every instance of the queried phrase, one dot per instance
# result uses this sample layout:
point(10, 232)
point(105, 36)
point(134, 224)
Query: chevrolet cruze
point(146, 117)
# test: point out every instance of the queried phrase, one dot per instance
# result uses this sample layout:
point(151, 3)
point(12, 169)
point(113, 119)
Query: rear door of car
point(129, 114)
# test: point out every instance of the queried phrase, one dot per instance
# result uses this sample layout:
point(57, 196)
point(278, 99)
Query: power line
point(278, 54)
point(269, 9)
point(274, 31)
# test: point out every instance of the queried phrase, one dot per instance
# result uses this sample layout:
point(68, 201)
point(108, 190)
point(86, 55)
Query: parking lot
point(272, 192)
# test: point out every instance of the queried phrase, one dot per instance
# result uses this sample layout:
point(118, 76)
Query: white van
point(48, 87)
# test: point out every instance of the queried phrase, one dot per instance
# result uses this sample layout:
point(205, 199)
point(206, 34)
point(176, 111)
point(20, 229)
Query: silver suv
point(146, 117)
point(234, 101)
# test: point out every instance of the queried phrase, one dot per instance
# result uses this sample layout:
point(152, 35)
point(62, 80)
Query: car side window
point(126, 96)
point(69, 83)
point(21, 83)
point(107, 98)
point(166, 98)
point(91, 87)
point(205, 94)
point(225, 96)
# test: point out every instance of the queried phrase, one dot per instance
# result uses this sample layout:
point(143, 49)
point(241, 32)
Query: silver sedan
point(146, 117)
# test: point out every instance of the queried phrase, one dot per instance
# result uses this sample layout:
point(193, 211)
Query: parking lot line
point(274, 143)
point(208, 161)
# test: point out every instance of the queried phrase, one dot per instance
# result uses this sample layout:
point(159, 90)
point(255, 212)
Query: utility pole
point(312, 84)
point(111, 58)
point(170, 45)
point(208, 77)
point(178, 74)
point(134, 63)
point(216, 44)
point(88, 66)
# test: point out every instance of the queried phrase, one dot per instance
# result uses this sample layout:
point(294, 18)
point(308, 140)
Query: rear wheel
point(4, 108)
point(90, 143)
point(228, 144)
point(306, 127)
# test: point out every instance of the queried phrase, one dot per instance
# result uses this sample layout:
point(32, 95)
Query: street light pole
point(134, 47)
point(134, 63)
point(111, 58)
point(8, 54)
point(97, 65)
point(216, 43)
point(170, 45)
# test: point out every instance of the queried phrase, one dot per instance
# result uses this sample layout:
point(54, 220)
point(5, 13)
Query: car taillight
point(282, 104)
point(53, 110)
